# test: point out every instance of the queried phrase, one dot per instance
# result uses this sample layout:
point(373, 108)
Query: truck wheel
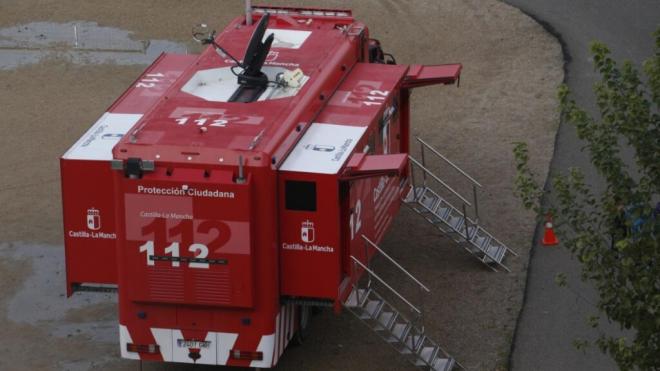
point(304, 316)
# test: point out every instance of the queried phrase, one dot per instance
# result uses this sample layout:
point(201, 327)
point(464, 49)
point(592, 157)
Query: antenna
point(204, 35)
point(241, 176)
point(248, 12)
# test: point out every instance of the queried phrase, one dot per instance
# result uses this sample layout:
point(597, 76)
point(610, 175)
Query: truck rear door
point(186, 238)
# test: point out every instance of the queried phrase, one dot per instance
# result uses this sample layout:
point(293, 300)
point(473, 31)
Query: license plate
point(198, 344)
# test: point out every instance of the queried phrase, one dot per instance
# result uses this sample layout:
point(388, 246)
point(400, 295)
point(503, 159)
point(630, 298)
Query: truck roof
point(194, 122)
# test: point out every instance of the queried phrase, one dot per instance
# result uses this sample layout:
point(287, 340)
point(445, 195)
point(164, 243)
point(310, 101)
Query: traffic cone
point(549, 238)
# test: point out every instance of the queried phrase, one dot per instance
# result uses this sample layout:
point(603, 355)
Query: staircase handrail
point(474, 182)
point(471, 179)
point(396, 264)
point(427, 171)
point(371, 273)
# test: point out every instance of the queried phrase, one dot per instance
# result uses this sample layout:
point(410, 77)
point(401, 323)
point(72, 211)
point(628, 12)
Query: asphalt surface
point(553, 317)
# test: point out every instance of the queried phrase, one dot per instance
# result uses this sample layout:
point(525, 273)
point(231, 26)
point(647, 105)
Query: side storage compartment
point(87, 181)
point(88, 204)
point(310, 211)
point(310, 244)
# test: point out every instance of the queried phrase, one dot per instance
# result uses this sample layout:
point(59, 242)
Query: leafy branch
point(613, 232)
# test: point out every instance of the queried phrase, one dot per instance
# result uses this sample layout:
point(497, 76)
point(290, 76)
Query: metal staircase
point(451, 221)
point(405, 335)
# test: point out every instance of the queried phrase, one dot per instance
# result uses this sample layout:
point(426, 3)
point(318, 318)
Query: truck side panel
point(88, 208)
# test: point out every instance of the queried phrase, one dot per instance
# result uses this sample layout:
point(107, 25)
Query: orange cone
point(549, 238)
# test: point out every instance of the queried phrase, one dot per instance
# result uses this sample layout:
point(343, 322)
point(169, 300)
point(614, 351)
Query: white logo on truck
point(307, 232)
point(93, 219)
point(307, 235)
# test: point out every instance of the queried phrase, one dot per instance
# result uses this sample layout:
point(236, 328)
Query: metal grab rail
point(371, 273)
point(447, 161)
point(396, 264)
point(474, 182)
point(427, 171)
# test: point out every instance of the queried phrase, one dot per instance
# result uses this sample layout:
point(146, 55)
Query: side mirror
point(203, 34)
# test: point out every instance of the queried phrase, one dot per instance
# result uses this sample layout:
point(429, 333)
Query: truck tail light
point(143, 348)
point(247, 355)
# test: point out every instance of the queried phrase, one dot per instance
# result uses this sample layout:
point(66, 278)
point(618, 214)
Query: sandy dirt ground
point(511, 71)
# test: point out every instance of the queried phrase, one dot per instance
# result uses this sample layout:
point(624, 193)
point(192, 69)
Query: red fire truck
point(223, 198)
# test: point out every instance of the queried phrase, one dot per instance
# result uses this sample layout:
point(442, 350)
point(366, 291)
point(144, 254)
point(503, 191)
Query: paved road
point(553, 317)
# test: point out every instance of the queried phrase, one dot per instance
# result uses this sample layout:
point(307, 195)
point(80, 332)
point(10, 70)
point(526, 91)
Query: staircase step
point(387, 319)
point(410, 196)
point(443, 209)
point(443, 364)
point(480, 238)
point(455, 219)
point(494, 251)
point(429, 199)
point(427, 355)
point(399, 332)
point(352, 301)
point(372, 309)
point(462, 230)
point(414, 342)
